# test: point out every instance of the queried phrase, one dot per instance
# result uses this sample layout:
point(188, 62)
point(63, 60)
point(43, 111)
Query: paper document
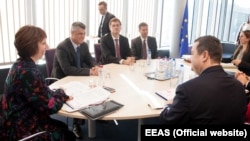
point(187, 58)
point(83, 96)
point(151, 100)
point(228, 65)
point(166, 94)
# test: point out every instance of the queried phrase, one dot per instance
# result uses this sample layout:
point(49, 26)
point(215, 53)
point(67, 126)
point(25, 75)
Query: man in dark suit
point(212, 98)
point(72, 57)
point(138, 42)
point(106, 17)
point(65, 61)
point(115, 47)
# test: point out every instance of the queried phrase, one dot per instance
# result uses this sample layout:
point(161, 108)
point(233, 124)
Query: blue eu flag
point(184, 33)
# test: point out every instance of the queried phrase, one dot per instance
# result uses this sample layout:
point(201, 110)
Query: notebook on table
point(101, 110)
point(166, 94)
point(83, 96)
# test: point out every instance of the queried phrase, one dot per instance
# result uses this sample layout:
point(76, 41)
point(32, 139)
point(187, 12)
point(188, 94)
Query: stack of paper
point(83, 96)
point(166, 94)
point(187, 58)
point(151, 100)
point(228, 65)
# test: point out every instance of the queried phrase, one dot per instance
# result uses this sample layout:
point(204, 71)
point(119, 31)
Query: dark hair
point(212, 45)
point(103, 3)
point(26, 40)
point(76, 25)
point(142, 24)
point(115, 20)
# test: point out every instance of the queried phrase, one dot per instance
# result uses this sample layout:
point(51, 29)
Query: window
point(214, 17)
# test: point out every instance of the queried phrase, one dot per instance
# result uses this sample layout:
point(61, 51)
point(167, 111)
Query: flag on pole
point(184, 32)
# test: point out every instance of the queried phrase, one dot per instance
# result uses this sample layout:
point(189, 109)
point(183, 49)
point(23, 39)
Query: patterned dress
point(27, 103)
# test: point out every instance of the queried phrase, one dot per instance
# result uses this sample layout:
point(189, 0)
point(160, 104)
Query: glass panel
point(240, 15)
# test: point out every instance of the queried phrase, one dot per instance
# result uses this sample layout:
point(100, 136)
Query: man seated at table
point(140, 45)
point(72, 57)
point(213, 97)
point(115, 47)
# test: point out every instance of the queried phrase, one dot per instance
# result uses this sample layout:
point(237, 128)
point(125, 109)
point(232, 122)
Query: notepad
point(101, 110)
point(151, 100)
point(83, 96)
point(228, 65)
point(166, 94)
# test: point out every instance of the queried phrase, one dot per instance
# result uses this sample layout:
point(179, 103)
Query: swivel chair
point(49, 57)
point(98, 53)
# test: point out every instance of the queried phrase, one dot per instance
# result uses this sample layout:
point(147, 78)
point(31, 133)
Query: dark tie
point(117, 49)
point(144, 49)
point(78, 59)
point(100, 27)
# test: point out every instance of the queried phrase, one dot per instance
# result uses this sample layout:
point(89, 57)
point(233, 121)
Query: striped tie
point(117, 49)
point(144, 50)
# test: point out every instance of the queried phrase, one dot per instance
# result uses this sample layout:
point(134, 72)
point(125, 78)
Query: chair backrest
point(227, 51)
point(163, 53)
point(49, 57)
point(98, 52)
point(228, 47)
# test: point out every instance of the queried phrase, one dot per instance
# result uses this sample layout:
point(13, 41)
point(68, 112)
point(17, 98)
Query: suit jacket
point(244, 66)
point(105, 27)
point(136, 47)
point(108, 49)
point(211, 98)
point(65, 60)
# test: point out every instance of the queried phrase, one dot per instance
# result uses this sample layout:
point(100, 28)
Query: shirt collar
point(142, 39)
point(115, 38)
point(74, 44)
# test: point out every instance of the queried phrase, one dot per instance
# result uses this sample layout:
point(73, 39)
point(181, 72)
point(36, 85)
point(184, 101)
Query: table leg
point(91, 128)
point(140, 122)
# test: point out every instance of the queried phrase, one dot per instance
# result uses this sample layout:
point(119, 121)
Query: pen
point(69, 105)
point(116, 123)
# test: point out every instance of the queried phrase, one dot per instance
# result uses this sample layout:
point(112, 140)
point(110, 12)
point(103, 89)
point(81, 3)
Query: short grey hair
point(76, 25)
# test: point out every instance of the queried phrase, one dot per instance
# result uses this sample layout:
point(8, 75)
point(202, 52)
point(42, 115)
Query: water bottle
point(148, 57)
point(173, 68)
point(180, 75)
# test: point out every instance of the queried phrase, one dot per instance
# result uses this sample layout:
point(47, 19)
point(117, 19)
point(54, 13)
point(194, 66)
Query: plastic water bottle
point(173, 68)
point(180, 75)
point(148, 57)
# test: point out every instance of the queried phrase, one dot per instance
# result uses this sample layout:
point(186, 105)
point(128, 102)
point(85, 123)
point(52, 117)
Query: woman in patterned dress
point(28, 102)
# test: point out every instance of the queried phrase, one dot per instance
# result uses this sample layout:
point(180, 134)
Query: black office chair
point(98, 53)
point(163, 53)
point(49, 57)
point(227, 51)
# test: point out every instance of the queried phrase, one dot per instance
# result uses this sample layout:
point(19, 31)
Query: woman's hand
point(70, 98)
point(242, 77)
point(236, 62)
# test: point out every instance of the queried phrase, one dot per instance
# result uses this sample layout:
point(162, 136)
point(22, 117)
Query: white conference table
point(128, 85)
